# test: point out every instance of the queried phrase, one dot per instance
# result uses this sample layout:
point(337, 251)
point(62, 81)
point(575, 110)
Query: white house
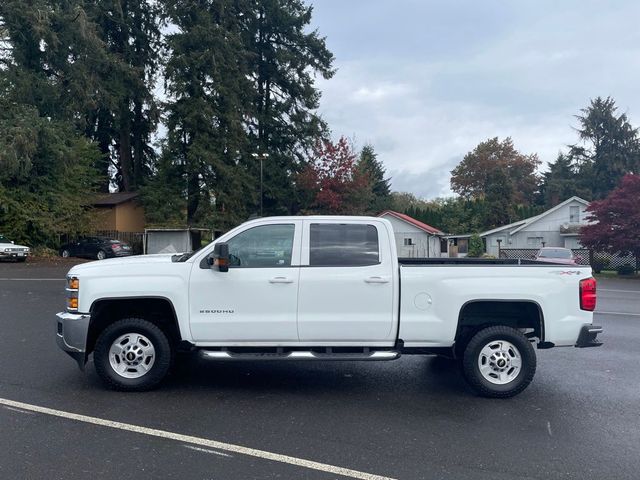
point(556, 227)
point(414, 238)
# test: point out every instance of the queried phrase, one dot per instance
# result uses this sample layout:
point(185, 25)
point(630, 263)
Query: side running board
point(377, 355)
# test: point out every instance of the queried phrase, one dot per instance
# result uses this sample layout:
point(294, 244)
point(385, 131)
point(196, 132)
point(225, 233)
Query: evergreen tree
point(91, 64)
point(52, 58)
point(164, 194)
point(209, 96)
point(610, 147)
point(126, 117)
point(561, 181)
point(476, 246)
point(373, 168)
point(48, 81)
point(46, 176)
point(404, 201)
point(284, 55)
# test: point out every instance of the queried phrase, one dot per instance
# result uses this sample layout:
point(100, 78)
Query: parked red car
point(556, 255)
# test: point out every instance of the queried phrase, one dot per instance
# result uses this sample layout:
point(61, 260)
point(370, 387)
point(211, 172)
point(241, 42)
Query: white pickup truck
point(322, 288)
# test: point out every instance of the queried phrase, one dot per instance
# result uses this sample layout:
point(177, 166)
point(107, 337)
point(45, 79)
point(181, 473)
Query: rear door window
point(343, 245)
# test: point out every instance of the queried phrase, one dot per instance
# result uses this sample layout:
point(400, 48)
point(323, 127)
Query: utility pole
point(261, 157)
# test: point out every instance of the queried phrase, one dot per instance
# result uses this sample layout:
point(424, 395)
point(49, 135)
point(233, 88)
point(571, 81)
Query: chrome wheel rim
point(132, 355)
point(101, 255)
point(65, 254)
point(499, 362)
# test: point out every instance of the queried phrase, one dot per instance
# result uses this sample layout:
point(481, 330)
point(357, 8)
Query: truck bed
point(477, 261)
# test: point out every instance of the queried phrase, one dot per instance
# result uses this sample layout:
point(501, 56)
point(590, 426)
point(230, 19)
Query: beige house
point(121, 212)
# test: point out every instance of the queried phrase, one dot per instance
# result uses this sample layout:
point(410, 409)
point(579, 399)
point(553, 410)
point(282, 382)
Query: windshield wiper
point(183, 257)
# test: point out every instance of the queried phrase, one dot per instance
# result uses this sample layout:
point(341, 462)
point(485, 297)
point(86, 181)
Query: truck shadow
point(424, 375)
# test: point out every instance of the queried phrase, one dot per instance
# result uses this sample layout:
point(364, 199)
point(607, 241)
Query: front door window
point(266, 246)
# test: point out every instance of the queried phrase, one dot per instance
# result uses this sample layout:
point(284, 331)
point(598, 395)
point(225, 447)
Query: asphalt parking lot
point(413, 418)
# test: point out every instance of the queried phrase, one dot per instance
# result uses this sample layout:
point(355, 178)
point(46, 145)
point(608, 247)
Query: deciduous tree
point(479, 172)
point(616, 220)
point(331, 183)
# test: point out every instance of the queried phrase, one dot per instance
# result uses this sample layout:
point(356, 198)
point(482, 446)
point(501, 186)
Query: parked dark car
point(560, 255)
point(96, 247)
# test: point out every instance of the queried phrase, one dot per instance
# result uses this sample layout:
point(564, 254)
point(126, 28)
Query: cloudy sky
point(426, 81)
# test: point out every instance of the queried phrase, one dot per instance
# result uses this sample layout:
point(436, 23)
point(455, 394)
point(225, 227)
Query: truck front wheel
point(499, 362)
point(132, 355)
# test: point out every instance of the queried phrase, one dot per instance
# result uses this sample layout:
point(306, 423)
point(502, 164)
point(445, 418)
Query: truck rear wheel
point(499, 362)
point(132, 355)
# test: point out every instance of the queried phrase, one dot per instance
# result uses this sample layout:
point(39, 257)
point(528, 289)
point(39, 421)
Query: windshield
point(4, 239)
point(555, 253)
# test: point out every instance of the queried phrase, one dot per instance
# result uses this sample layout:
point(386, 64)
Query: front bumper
point(587, 337)
point(14, 254)
point(71, 335)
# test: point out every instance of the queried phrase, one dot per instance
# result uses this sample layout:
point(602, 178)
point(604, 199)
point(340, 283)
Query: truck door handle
point(377, 280)
point(280, 280)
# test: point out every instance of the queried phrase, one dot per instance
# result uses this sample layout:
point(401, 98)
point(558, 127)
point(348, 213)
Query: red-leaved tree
point(332, 184)
point(616, 218)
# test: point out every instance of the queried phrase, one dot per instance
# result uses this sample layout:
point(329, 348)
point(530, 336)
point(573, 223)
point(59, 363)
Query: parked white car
point(322, 288)
point(9, 250)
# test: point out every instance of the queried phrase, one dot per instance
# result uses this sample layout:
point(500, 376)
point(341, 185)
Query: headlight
point(7, 249)
point(73, 288)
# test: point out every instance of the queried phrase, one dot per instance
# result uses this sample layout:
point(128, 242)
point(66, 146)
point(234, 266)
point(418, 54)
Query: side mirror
point(12, 242)
point(219, 260)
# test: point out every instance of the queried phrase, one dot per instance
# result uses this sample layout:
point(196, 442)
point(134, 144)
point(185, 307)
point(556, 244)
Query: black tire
point(157, 372)
point(101, 255)
point(21, 259)
point(472, 353)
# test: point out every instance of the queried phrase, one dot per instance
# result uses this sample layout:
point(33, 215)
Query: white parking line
point(619, 313)
point(32, 279)
point(618, 291)
point(207, 450)
point(18, 410)
point(204, 442)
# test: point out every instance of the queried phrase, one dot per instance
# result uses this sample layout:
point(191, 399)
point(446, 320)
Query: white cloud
point(425, 82)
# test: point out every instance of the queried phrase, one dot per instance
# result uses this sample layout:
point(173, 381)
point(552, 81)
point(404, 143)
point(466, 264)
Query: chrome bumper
point(71, 335)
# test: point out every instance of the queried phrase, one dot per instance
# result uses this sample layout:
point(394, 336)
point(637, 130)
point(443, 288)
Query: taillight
point(588, 294)
point(115, 247)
